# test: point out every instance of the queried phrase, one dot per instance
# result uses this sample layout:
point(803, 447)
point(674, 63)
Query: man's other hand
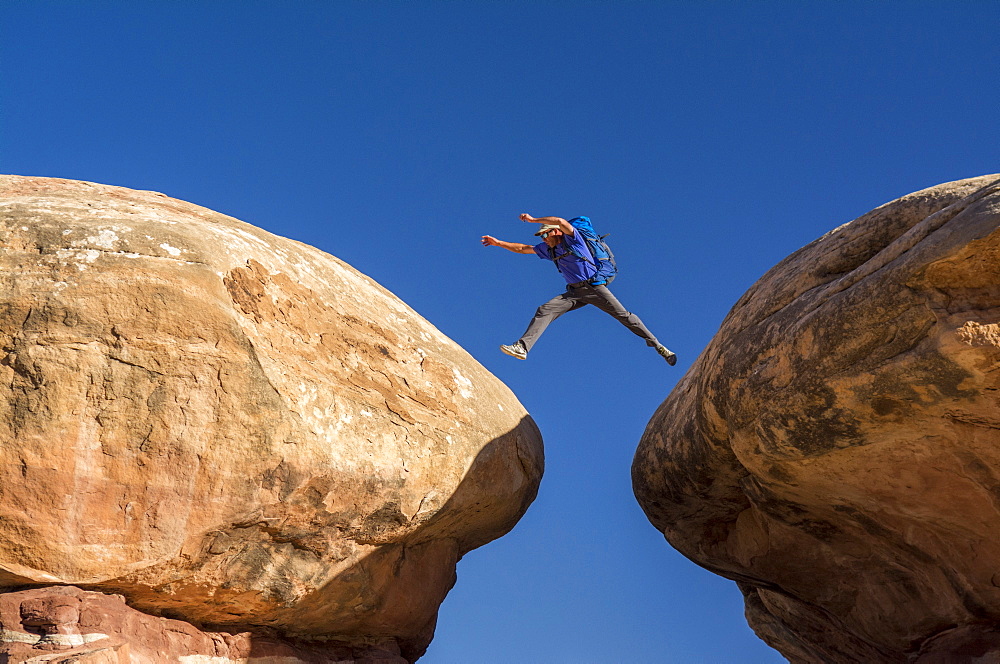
point(490, 241)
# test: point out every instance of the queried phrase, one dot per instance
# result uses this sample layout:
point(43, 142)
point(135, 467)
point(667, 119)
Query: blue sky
point(711, 139)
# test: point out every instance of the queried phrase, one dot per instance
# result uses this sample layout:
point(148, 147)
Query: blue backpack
point(607, 269)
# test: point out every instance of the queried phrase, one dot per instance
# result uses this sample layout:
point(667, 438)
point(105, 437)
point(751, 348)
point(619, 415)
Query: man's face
point(552, 238)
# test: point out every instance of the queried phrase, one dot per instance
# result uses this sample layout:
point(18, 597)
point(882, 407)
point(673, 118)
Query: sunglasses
point(546, 234)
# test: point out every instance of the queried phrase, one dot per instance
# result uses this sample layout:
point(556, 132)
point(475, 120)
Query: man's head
point(551, 233)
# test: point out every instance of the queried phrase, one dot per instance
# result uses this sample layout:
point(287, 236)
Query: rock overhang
point(235, 427)
point(830, 447)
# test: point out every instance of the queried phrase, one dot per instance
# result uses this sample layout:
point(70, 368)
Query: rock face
point(66, 625)
point(836, 447)
point(234, 429)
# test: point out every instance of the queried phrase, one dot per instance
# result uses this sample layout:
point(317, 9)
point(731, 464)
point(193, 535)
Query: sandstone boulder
point(836, 447)
point(236, 429)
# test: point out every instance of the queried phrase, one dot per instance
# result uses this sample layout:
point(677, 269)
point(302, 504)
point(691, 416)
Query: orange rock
point(235, 428)
point(836, 447)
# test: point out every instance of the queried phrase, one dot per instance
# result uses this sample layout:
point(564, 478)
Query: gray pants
point(574, 298)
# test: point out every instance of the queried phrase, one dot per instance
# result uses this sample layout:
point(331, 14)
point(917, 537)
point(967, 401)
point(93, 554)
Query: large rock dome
point(235, 429)
point(836, 447)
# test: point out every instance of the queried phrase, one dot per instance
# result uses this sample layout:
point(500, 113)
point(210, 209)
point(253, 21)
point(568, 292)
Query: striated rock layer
point(235, 429)
point(66, 625)
point(836, 447)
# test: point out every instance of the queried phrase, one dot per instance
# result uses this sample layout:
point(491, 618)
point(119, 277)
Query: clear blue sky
point(711, 139)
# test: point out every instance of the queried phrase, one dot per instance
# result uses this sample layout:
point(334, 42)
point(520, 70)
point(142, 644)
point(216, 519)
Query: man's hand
point(566, 227)
point(516, 247)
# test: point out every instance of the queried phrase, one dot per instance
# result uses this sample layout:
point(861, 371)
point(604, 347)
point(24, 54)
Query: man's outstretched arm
point(516, 247)
point(564, 225)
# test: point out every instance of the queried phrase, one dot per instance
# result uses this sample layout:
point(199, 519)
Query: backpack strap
point(569, 252)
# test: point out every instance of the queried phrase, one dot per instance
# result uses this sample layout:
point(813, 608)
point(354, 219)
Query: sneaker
point(516, 350)
point(668, 355)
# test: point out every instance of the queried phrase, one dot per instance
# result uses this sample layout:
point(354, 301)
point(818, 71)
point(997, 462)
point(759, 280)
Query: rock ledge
point(836, 447)
point(235, 429)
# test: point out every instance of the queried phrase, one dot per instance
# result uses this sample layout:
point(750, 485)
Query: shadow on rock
point(383, 606)
point(835, 447)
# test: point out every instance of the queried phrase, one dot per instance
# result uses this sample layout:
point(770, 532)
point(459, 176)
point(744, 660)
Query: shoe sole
point(513, 354)
point(670, 357)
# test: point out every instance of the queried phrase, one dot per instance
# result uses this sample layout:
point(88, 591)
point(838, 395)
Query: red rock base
point(63, 624)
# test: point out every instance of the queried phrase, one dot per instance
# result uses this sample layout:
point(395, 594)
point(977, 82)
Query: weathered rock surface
point(836, 447)
point(235, 429)
point(66, 625)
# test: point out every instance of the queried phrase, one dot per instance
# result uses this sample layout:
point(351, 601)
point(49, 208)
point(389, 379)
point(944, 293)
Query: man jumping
point(563, 245)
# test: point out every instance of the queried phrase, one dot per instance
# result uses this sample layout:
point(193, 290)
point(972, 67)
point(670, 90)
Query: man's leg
point(547, 313)
point(603, 299)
